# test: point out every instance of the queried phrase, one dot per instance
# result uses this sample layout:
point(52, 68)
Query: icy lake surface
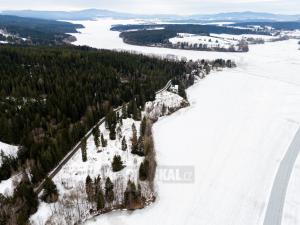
point(237, 130)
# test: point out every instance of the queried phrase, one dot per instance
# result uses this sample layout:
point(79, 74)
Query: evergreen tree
point(111, 122)
point(112, 133)
point(109, 190)
point(100, 200)
point(117, 163)
point(134, 141)
point(144, 170)
point(132, 197)
point(89, 188)
point(103, 141)
point(124, 144)
point(83, 150)
point(140, 150)
point(124, 112)
point(50, 193)
point(181, 91)
point(96, 134)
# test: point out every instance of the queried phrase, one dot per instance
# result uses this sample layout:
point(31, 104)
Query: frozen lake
point(237, 130)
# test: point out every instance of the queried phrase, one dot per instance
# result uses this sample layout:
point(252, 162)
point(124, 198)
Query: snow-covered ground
point(204, 41)
point(7, 186)
point(71, 178)
point(244, 37)
point(8, 150)
point(73, 175)
point(235, 133)
point(293, 34)
point(165, 103)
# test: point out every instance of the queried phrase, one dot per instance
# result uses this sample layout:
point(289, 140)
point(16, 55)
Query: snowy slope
point(7, 186)
point(235, 133)
point(8, 150)
point(246, 37)
point(73, 175)
point(165, 103)
point(207, 41)
point(71, 179)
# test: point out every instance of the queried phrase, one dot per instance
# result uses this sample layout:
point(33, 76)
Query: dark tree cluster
point(50, 193)
point(18, 208)
point(36, 31)
point(94, 192)
point(8, 165)
point(117, 163)
point(132, 196)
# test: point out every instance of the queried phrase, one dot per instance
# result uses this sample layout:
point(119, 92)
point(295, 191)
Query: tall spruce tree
point(100, 200)
point(83, 150)
point(96, 134)
point(124, 144)
point(109, 190)
point(50, 193)
point(134, 140)
point(103, 141)
point(89, 188)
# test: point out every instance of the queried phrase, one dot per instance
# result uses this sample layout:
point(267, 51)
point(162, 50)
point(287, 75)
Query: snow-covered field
point(244, 37)
point(206, 41)
point(235, 133)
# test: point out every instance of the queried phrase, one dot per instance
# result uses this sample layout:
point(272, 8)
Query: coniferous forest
point(50, 97)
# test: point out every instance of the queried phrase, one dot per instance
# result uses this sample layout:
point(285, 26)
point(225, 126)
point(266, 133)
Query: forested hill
point(35, 31)
point(161, 33)
point(50, 97)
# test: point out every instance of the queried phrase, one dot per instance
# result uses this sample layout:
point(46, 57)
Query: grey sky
point(160, 6)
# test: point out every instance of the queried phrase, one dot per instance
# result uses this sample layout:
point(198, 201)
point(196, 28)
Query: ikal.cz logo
point(176, 174)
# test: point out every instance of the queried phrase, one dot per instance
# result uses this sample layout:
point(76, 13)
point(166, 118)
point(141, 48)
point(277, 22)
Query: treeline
point(50, 97)
point(147, 37)
point(185, 28)
point(36, 31)
point(160, 34)
point(276, 25)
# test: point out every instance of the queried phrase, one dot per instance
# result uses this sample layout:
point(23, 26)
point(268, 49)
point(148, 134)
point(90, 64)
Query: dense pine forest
point(51, 96)
point(36, 31)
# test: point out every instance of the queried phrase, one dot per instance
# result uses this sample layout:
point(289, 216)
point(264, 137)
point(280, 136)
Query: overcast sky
point(160, 6)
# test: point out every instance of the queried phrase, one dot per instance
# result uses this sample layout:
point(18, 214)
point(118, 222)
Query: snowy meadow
point(235, 134)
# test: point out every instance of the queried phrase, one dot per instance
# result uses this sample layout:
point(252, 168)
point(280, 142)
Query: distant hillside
point(98, 13)
point(72, 15)
point(35, 31)
point(246, 16)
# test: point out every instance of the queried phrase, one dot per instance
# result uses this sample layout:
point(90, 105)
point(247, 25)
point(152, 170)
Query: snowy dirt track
point(235, 134)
